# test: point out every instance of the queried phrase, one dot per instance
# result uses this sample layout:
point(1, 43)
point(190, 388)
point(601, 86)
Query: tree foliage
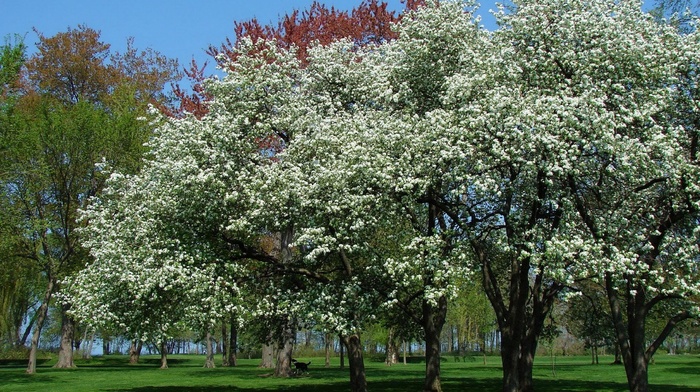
point(78, 105)
point(561, 147)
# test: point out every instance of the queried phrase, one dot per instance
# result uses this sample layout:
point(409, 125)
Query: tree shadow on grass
point(19, 377)
point(18, 363)
point(592, 386)
point(684, 370)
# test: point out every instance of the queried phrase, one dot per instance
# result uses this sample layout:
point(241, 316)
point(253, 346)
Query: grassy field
point(113, 373)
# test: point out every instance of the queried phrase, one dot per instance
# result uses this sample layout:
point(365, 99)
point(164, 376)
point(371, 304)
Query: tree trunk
point(233, 344)
point(105, 345)
point(527, 358)
point(90, 345)
point(21, 342)
point(433, 322)
point(84, 351)
point(405, 349)
point(283, 367)
point(164, 354)
point(520, 315)
point(518, 350)
point(358, 379)
point(342, 353)
point(328, 349)
point(267, 354)
point(392, 350)
point(209, 363)
point(43, 311)
point(307, 338)
point(225, 344)
point(65, 351)
point(135, 351)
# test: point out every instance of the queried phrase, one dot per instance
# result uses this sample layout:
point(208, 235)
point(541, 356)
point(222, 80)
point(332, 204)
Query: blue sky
point(180, 29)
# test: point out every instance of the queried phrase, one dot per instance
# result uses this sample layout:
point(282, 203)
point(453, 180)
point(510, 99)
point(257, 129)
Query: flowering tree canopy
point(561, 147)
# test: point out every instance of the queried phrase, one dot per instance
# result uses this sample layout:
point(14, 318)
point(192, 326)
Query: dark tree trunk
point(233, 344)
point(283, 367)
point(43, 311)
point(307, 338)
point(65, 351)
point(105, 345)
point(630, 329)
point(226, 346)
point(520, 323)
point(135, 351)
point(22, 341)
point(358, 379)
point(342, 353)
point(433, 322)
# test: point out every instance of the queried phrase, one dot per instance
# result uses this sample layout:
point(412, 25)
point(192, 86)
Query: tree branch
point(651, 350)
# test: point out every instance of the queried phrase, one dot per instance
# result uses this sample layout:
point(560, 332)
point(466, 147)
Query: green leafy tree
point(79, 105)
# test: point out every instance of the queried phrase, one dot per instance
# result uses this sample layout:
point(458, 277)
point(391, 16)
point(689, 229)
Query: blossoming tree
point(561, 147)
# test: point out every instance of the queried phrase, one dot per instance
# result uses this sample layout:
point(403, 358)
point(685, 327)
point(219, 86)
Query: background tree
point(588, 318)
point(16, 281)
point(79, 107)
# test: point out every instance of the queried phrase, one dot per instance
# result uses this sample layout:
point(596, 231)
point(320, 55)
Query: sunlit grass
point(186, 373)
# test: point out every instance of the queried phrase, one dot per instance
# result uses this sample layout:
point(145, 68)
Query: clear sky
point(180, 29)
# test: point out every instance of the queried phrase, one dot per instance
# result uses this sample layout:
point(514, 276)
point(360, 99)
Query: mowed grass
point(113, 373)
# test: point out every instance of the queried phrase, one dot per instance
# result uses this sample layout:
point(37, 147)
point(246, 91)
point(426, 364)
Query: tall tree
point(80, 106)
point(599, 85)
point(17, 281)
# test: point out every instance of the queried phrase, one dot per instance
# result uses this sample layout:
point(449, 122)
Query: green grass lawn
point(113, 373)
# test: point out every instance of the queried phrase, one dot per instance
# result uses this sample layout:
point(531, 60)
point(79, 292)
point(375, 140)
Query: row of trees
point(333, 183)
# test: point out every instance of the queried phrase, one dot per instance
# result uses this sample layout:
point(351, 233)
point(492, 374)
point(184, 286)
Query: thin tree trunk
point(342, 353)
point(43, 311)
point(164, 354)
point(358, 379)
point(233, 344)
point(225, 344)
point(209, 363)
point(21, 342)
point(307, 338)
point(90, 345)
point(65, 351)
point(405, 349)
point(85, 352)
point(105, 345)
point(328, 349)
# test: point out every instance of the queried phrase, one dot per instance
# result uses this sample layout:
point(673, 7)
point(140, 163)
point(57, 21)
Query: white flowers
point(563, 107)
